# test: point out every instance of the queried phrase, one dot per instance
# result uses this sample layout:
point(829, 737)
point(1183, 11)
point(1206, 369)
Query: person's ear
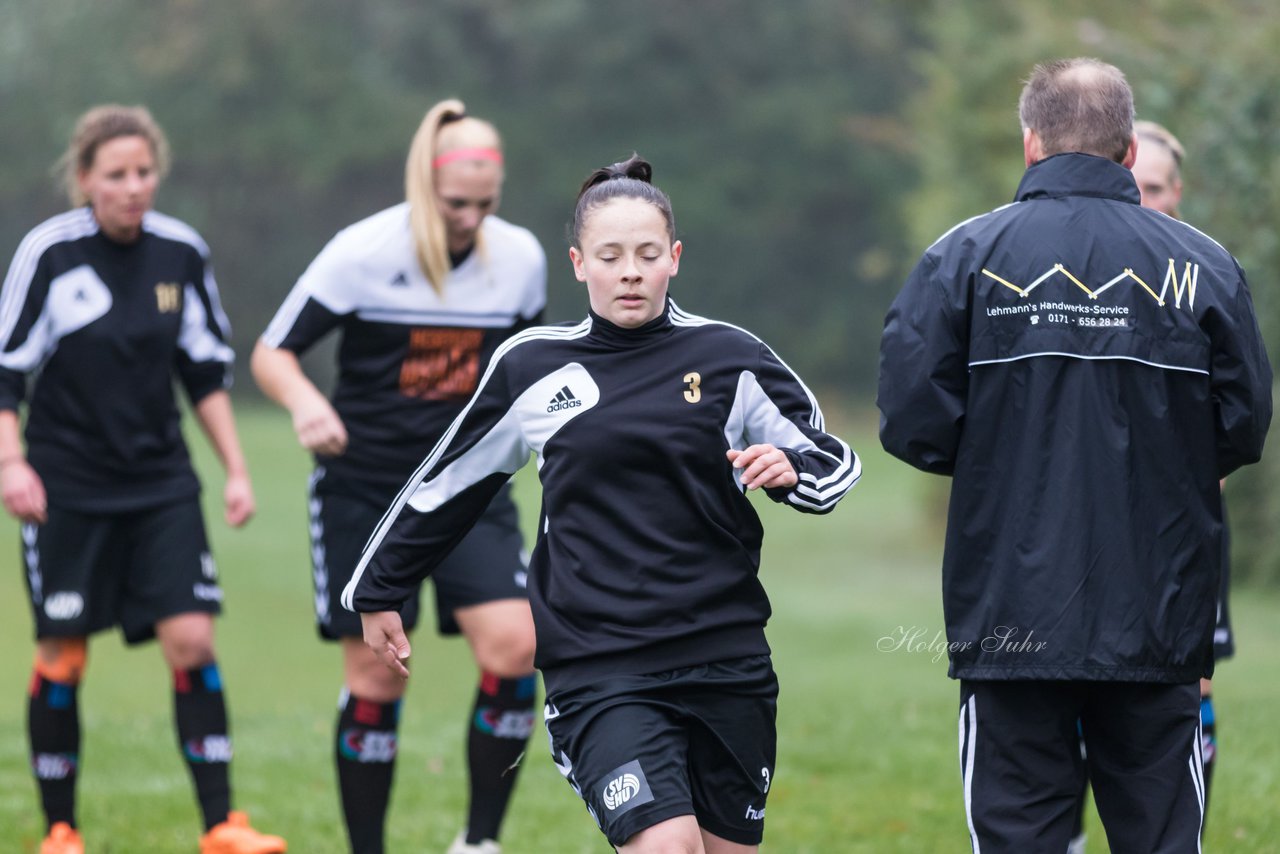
point(1032, 152)
point(576, 257)
point(676, 249)
point(1131, 156)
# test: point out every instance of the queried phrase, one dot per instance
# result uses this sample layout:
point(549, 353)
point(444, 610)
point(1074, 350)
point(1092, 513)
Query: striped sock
point(200, 715)
point(53, 726)
point(365, 752)
point(500, 725)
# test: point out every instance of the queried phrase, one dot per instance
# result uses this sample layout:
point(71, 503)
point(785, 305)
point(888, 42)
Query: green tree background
point(812, 148)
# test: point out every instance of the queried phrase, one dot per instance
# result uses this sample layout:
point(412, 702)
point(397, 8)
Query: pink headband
point(467, 154)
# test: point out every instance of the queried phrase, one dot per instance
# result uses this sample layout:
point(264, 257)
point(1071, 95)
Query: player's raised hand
point(763, 466)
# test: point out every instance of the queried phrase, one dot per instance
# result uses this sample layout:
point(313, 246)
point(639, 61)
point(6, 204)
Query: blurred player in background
point(109, 303)
point(421, 294)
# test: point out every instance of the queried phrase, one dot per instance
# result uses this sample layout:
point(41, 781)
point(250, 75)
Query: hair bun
point(635, 167)
point(630, 179)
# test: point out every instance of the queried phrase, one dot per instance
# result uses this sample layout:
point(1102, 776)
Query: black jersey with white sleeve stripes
point(106, 327)
point(648, 551)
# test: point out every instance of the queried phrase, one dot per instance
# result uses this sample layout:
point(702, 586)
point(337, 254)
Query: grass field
point(867, 759)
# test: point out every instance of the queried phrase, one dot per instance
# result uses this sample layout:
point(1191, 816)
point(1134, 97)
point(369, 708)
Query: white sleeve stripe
point(287, 315)
point(72, 225)
point(819, 487)
point(795, 499)
point(196, 339)
point(842, 461)
point(38, 346)
point(211, 288)
point(762, 421)
point(833, 493)
point(829, 497)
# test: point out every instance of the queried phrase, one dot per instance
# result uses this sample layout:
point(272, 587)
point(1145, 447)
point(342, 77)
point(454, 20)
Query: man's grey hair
point(1080, 104)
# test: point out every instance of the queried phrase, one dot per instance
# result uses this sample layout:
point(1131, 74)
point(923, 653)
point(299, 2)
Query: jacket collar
point(616, 336)
point(1077, 174)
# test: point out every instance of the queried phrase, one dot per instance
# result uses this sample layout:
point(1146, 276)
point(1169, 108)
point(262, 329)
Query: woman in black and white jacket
point(107, 305)
point(649, 425)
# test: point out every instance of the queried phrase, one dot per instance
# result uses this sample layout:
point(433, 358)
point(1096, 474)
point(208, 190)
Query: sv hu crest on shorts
point(625, 788)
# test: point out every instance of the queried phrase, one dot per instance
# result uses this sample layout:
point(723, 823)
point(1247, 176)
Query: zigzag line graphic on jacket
point(1186, 285)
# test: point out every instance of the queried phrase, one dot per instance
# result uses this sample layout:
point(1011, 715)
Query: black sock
point(366, 756)
point(1209, 744)
point(500, 726)
point(200, 715)
point(53, 726)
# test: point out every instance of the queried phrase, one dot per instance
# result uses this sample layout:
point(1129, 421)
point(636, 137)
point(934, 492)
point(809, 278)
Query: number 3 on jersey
point(693, 393)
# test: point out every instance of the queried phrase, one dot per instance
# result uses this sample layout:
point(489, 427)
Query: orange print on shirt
point(442, 364)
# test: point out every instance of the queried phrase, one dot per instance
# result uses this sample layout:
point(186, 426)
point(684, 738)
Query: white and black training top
point(107, 325)
point(648, 551)
point(409, 357)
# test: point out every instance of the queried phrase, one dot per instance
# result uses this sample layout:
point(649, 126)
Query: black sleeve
point(1240, 381)
point(924, 375)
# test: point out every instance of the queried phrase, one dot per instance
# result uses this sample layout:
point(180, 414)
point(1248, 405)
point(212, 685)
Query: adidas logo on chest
point(563, 399)
point(558, 399)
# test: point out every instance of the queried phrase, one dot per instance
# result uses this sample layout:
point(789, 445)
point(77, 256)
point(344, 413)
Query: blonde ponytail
point(445, 128)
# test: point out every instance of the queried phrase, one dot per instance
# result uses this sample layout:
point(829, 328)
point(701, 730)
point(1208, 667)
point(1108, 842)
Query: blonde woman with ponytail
point(421, 294)
point(445, 210)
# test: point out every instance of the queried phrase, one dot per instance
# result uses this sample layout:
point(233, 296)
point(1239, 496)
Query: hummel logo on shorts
point(564, 399)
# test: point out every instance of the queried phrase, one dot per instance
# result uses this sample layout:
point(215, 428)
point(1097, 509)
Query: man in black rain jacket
point(1086, 370)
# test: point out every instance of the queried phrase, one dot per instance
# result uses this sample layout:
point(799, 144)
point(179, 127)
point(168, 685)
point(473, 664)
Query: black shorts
point(697, 741)
point(1022, 767)
point(87, 572)
point(486, 566)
